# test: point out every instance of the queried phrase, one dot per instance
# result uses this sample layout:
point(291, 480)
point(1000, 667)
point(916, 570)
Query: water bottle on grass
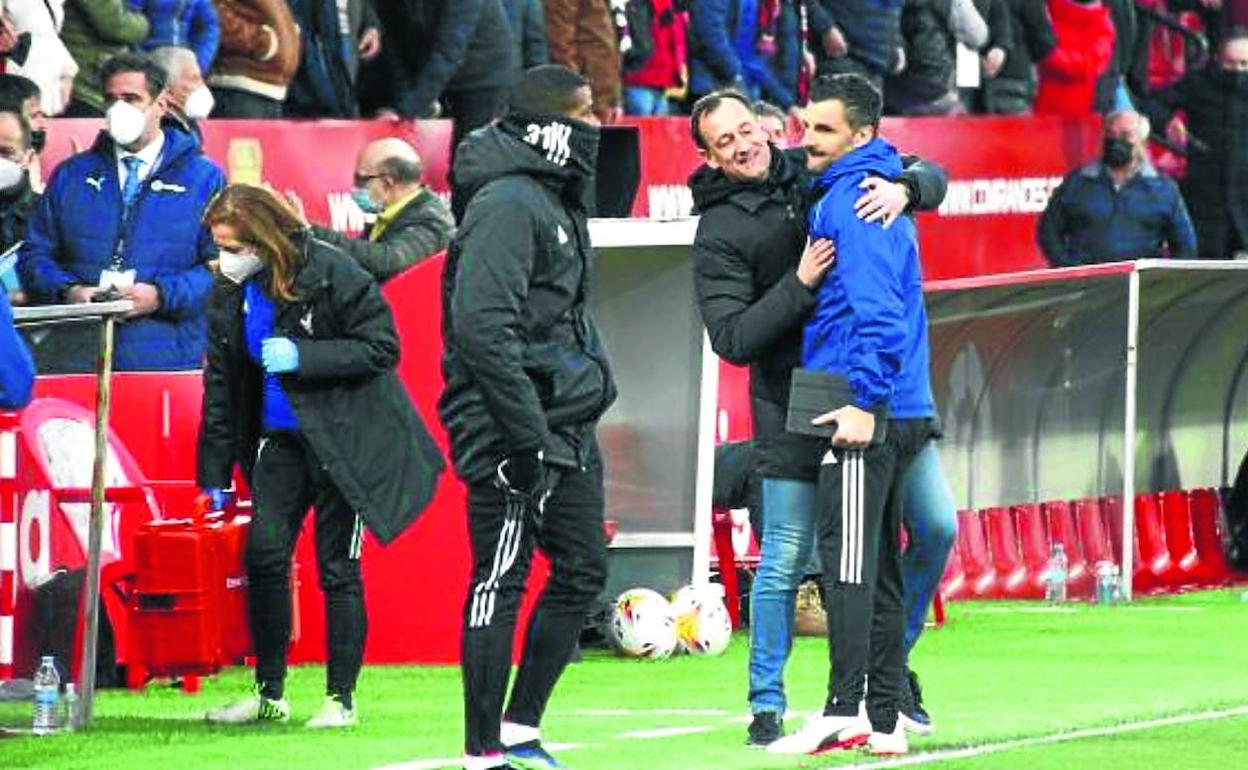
point(1055, 580)
point(47, 694)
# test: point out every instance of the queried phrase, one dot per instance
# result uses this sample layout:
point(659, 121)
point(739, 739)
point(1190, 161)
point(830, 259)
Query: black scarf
point(564, 142)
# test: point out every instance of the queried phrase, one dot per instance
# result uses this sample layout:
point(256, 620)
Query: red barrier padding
point(1080, 579)
point(1033, 537)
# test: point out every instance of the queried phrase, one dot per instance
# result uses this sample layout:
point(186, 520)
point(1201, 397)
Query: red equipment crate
point(189, 607)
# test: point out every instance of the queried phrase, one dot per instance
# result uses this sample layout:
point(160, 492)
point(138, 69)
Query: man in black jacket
point(756, 278)
point(526, 382)
point(411, 222)
point(1013, 90)
point(1216, 186)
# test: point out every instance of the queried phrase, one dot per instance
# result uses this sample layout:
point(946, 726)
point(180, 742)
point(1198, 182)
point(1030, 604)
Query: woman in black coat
point(300, 391)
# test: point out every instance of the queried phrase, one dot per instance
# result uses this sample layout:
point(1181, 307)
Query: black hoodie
point(524, 365)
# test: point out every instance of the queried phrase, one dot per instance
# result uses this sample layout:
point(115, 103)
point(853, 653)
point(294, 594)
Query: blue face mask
point(360, 196)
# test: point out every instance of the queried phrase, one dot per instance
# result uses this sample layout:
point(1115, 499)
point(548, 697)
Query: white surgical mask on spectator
point(238, 266)
point(10, 174)
point(125, 123)
point(199, 103)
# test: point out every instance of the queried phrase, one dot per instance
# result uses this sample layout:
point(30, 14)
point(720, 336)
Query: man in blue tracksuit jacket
point(137, 230)
point(17, 371)
point(869, 326)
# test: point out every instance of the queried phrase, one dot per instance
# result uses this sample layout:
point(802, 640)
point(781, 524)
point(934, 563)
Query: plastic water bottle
point(70, 705)
point(47, 693)
point(1105, 582)
point(1055, 584)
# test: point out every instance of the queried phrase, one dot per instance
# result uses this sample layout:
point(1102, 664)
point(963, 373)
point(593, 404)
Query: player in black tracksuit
point(526, 382)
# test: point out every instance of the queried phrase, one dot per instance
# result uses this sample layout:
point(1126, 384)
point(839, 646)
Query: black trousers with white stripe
point(503, 532)
point(859, 503)
point(287, 480)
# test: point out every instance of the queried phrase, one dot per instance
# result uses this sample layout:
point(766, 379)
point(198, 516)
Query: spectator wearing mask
point(1013, 90)
point(857, 36)
point(528, 31)
point(1085, 46)
point(931, 29)
point(190, 101)
point(16, 195)
point(411, 222)
point(1118, 208)
point(21, 95)
point(448, 57)
point(17, 369)
point(335, 36)
point(257, 58)
point(1215, 100)
point(94, 31)
point(184, 23)
point(582, 38)
point(657, 60)
point(738, 44)
point(48, 63)
point(125, 215)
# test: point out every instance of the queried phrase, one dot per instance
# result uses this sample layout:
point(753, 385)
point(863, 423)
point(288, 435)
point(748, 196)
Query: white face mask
point(125, 123)
point(199, 103)
point(10, 174)
point(238, 266)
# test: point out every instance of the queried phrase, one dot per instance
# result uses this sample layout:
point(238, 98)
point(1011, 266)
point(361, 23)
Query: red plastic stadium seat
point(1080, 580)
point(1176, 520)
point(721, 527)
point(1206, 507)
point(981, 578)
point(1154, 556)
point(1033, 537)
point(1092, 535)
point(953, 584)
point(1006, 560)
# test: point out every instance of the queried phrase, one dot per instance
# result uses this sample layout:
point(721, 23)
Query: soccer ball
point(642, 624)
point(702, 623)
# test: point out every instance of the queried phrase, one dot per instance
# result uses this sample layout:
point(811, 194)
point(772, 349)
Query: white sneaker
point(823, 733)
point(332, 714)
point(254, 708)
point(889, 744)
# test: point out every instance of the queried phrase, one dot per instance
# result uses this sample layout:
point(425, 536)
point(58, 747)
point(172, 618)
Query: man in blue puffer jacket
point(869, 327)
point(126, 214)
point(729, 47)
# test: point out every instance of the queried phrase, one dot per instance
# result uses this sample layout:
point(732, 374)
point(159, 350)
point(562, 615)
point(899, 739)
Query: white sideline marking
point(1047, 740)
point(457, 762)
point(667, 732)
point(652, 712)
point(1072, 610)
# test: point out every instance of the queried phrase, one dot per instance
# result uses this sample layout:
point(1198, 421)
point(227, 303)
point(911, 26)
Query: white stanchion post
point(1128, 432)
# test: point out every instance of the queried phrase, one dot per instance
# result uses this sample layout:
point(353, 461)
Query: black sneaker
point(766, 728)
point(913, 716)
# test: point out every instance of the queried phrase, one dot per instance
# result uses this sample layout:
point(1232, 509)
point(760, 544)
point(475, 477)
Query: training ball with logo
point(702, 623)
point(642, 625)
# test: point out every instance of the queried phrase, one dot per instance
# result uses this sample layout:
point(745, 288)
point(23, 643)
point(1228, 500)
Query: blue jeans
point(641, 100)
point(788, 541)
point(788, 544)
point(931, 522)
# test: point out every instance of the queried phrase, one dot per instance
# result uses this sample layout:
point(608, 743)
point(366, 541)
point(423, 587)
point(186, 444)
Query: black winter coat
point(352, 409)
point(1033, 39)
point(750, 239)
point(930, 62)
point(432, 47)
point(1216, 185)
point(524, 364)
point(421, 229)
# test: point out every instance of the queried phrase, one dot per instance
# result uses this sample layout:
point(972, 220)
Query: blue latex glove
point(219, 498)
point(279, 355)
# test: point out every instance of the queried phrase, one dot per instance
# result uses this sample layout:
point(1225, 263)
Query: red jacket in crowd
point(667, 67)
point(1085, 44)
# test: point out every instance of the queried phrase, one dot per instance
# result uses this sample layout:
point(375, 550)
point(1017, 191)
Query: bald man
point(411, 222)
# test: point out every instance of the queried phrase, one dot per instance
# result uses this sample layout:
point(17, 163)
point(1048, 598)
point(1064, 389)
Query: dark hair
point(15, 90)
point(709, 103)
point(548, 89)
point(765, 109)
point(861, 99)
point(1233, 34)
point(401, 170)
point(23, 124)
point(134, 62)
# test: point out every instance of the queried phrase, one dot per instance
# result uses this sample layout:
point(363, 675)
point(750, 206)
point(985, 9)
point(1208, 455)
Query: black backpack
point(632, 20)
